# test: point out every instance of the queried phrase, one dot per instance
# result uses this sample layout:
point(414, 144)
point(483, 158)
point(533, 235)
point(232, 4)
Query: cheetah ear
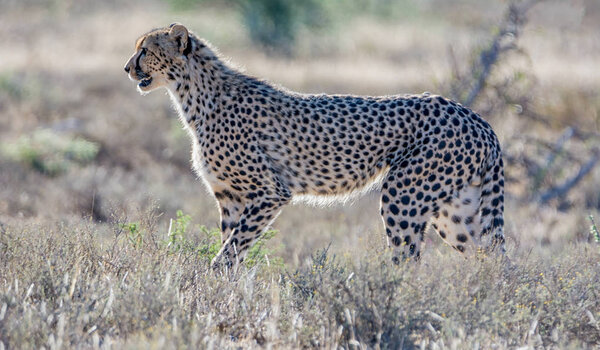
point(180, 33)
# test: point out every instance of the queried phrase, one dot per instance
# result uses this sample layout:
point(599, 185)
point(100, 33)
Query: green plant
point(594, 230)
point(10, 86)
point(134, 234)
point(275, 23)
point(176, 240)
point(259, 253)
point(210, 243)
point(51, 153)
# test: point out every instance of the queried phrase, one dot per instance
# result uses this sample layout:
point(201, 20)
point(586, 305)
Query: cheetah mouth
point(145, 82)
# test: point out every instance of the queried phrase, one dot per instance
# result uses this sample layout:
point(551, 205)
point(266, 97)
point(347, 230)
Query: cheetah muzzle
point(258, 147)
point(145, 82)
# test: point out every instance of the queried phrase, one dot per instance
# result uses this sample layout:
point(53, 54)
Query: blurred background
point(78, 144)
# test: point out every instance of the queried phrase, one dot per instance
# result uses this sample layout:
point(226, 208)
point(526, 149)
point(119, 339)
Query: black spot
point(405, 200)
point(391, 221)
point(497, 222)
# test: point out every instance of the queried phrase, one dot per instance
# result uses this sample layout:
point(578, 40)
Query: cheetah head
point(158, 56)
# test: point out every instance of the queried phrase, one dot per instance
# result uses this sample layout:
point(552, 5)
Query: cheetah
point(258, 146)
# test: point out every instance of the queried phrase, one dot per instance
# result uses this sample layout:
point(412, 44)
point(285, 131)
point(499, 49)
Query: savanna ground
point(106, 234)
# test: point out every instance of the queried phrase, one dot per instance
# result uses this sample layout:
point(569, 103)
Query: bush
point(275, 23)
point(50, 153)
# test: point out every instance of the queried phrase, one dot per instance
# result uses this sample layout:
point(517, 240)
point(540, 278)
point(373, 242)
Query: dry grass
point(74, 275)
point(74, 286)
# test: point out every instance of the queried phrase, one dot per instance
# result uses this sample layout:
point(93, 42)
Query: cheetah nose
point(126, 69)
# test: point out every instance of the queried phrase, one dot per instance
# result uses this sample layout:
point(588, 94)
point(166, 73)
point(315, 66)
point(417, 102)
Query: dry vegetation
point(94, 254)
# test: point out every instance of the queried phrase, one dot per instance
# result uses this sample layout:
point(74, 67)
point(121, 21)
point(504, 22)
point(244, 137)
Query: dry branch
point(504, 41)
point(555, 150)
point(562, 190)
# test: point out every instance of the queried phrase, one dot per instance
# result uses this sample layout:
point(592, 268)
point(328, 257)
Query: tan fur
point(258, 147)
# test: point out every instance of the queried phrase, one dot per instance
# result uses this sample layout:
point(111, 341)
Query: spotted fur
point(258, 146)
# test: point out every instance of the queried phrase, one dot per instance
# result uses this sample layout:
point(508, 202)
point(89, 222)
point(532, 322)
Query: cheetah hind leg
point(458, 219)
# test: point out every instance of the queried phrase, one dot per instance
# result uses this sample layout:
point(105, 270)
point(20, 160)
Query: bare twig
point(559, 145)
point(545, 120)
point(504, 41)
point(455, 89)
point(556, 149)
point(562, 190)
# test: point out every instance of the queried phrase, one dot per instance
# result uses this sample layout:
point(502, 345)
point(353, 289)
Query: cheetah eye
point(144, 51)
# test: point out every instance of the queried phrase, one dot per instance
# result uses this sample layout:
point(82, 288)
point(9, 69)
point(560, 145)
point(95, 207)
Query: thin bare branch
point(556, 149)
point(562, 190)
point(505, 41)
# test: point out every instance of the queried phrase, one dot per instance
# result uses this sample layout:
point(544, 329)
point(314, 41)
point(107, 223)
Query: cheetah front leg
point(405, 209)
point(254, 219)
point(230, 210)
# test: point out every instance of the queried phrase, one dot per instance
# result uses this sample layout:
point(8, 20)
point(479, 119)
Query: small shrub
point(306, 280)
point(210, 243)
point(179, 239)
point(275, 23)
point(135, 237)
point(176, 236)
point(10, 86)
point(259, 253)
point(51, 153)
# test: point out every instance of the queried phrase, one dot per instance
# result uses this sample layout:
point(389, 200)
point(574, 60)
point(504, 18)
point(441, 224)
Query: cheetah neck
point(198, 86)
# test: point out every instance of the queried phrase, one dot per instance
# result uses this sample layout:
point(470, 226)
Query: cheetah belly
point(322, 172)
